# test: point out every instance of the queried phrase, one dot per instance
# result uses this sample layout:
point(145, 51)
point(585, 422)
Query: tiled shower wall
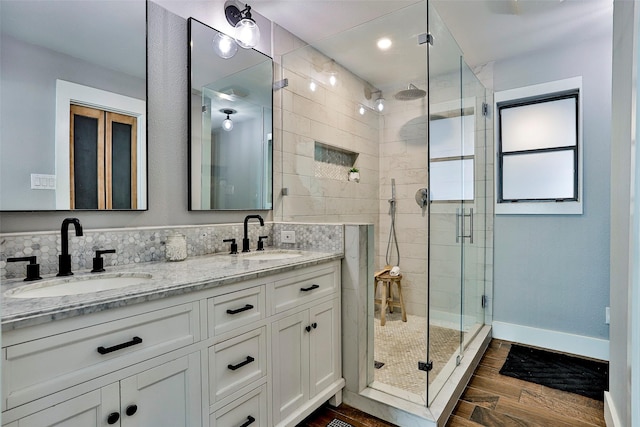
point(329, 116)
point(138, 245)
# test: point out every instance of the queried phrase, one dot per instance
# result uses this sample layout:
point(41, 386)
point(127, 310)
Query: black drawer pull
point(314, 324)
point(249, 421)
point(134, 341)
point(307, 328)
point(310, 288)
point(240, 310)
point(241, 364)
point(131, 410)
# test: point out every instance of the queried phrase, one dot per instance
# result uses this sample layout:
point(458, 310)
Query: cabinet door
point(290, 348)
point(167, 395)
point(87, 410)
point(325, 363)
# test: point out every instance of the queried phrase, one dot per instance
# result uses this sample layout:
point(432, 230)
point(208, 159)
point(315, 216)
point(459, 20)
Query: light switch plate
point(43, 182)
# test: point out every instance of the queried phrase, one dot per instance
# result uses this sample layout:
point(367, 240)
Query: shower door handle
point(460, 218)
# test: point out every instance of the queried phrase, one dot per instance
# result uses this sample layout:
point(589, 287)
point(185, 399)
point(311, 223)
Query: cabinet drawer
point(236, 363)
point(227, 312)
point(303, 288)
point(36, 368)
point(248, 411)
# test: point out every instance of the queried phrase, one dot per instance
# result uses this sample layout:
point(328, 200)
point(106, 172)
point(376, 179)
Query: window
point(538, 150)
point(451, 155)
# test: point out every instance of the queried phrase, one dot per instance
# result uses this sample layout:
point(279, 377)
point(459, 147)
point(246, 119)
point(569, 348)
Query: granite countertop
point(168, 279)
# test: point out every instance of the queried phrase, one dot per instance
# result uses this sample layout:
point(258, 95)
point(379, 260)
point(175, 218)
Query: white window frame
point(540, 207)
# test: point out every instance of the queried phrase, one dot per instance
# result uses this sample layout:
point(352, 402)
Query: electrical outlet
point(288, 237)
point(607, 315)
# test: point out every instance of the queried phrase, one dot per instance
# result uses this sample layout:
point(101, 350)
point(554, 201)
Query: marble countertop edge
point(168, 279)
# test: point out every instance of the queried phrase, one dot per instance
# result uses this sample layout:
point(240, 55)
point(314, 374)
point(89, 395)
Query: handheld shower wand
point(392, 230)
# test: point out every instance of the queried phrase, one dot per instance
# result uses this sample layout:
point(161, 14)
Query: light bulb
point(384, 43)
point(312, 86)
point(333, 79)
point(380, 104)
point(227, 124)
point(361, 110)
point(247, 33)
point(224, 46)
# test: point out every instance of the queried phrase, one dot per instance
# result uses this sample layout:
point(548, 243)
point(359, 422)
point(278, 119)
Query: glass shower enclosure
point(411, 119)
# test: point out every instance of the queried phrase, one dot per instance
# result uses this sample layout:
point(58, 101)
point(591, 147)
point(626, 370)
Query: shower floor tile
point(400, 346)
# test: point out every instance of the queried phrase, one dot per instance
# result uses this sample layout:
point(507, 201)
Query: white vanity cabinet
point(306, 344)
point(262, 352)
point(118, 367)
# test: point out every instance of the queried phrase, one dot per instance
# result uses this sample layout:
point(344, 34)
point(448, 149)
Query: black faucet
point(64, 259)
point(245, 240)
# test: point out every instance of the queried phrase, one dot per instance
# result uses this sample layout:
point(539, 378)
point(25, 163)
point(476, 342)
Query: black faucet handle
point(234, 246)
point(261, 243)
point(33, 268)
point(98, 261)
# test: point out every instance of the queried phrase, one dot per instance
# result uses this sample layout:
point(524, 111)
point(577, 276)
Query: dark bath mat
point(338, 423)
point(378, 365)
point(588, 378)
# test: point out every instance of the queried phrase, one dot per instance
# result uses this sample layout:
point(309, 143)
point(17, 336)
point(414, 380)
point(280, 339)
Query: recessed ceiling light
point(384, 43)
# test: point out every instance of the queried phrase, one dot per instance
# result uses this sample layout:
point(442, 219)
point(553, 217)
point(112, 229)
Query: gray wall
point(552, 271)
point(28, 104)
point(167, 143)
point(624, 60)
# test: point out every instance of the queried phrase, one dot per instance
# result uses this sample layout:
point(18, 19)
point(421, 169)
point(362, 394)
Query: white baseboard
point(560, 341)
point(611, 418)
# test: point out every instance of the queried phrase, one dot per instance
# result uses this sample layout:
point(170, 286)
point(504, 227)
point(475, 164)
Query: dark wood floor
point(493, 400)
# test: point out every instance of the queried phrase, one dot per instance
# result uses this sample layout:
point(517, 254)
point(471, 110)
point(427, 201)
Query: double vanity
point(250, 339)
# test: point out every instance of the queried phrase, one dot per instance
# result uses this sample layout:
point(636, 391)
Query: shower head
point(410, 93)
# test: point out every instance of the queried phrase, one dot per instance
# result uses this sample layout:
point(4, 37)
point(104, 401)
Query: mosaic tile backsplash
point(138, 245)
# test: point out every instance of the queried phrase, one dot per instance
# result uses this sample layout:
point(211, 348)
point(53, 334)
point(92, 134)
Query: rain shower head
point(410, 93)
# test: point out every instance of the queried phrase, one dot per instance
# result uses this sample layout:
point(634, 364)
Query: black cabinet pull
point(249, 421)
point(240, 310)
point(134, 341)
point(113, 418)
point(241, 364)
point(314, 325)
point(131, 410)
point(310, 288)
point(308, 328)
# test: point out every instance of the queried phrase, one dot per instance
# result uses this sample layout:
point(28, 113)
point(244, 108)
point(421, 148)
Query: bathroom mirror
point(230, 117)
point(73, 102)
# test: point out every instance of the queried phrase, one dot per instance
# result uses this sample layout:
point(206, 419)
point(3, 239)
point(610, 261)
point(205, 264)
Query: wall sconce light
point(227, 124)
point(247, 33)
point(224, 46)
point(379, 102)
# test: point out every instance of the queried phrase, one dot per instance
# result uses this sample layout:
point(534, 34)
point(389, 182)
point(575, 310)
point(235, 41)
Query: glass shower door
point(455, 267)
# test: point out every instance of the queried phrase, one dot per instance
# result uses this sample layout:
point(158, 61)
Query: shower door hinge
point(425, 366)
point(484, 301)
point(425, 38)
point(280, 84)
point(485, 109)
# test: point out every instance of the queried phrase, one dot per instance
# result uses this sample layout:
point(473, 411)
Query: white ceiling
point(485, 30)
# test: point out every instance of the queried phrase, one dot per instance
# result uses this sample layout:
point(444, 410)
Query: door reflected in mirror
point(46, 72)
point(231, 130)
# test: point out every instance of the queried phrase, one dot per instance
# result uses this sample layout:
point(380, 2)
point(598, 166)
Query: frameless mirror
point(73, 102)
point(231, 122)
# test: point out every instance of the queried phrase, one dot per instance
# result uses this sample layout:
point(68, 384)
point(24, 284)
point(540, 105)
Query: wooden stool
point(386, 299)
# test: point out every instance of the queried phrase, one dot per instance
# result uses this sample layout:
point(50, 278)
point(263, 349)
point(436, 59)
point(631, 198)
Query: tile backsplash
point(137, 245)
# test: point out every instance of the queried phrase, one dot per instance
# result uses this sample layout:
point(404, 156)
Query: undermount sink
point(272, 256)
point(77, 285)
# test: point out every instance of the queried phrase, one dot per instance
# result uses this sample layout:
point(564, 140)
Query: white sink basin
point(76, 285)
point(271, 256)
